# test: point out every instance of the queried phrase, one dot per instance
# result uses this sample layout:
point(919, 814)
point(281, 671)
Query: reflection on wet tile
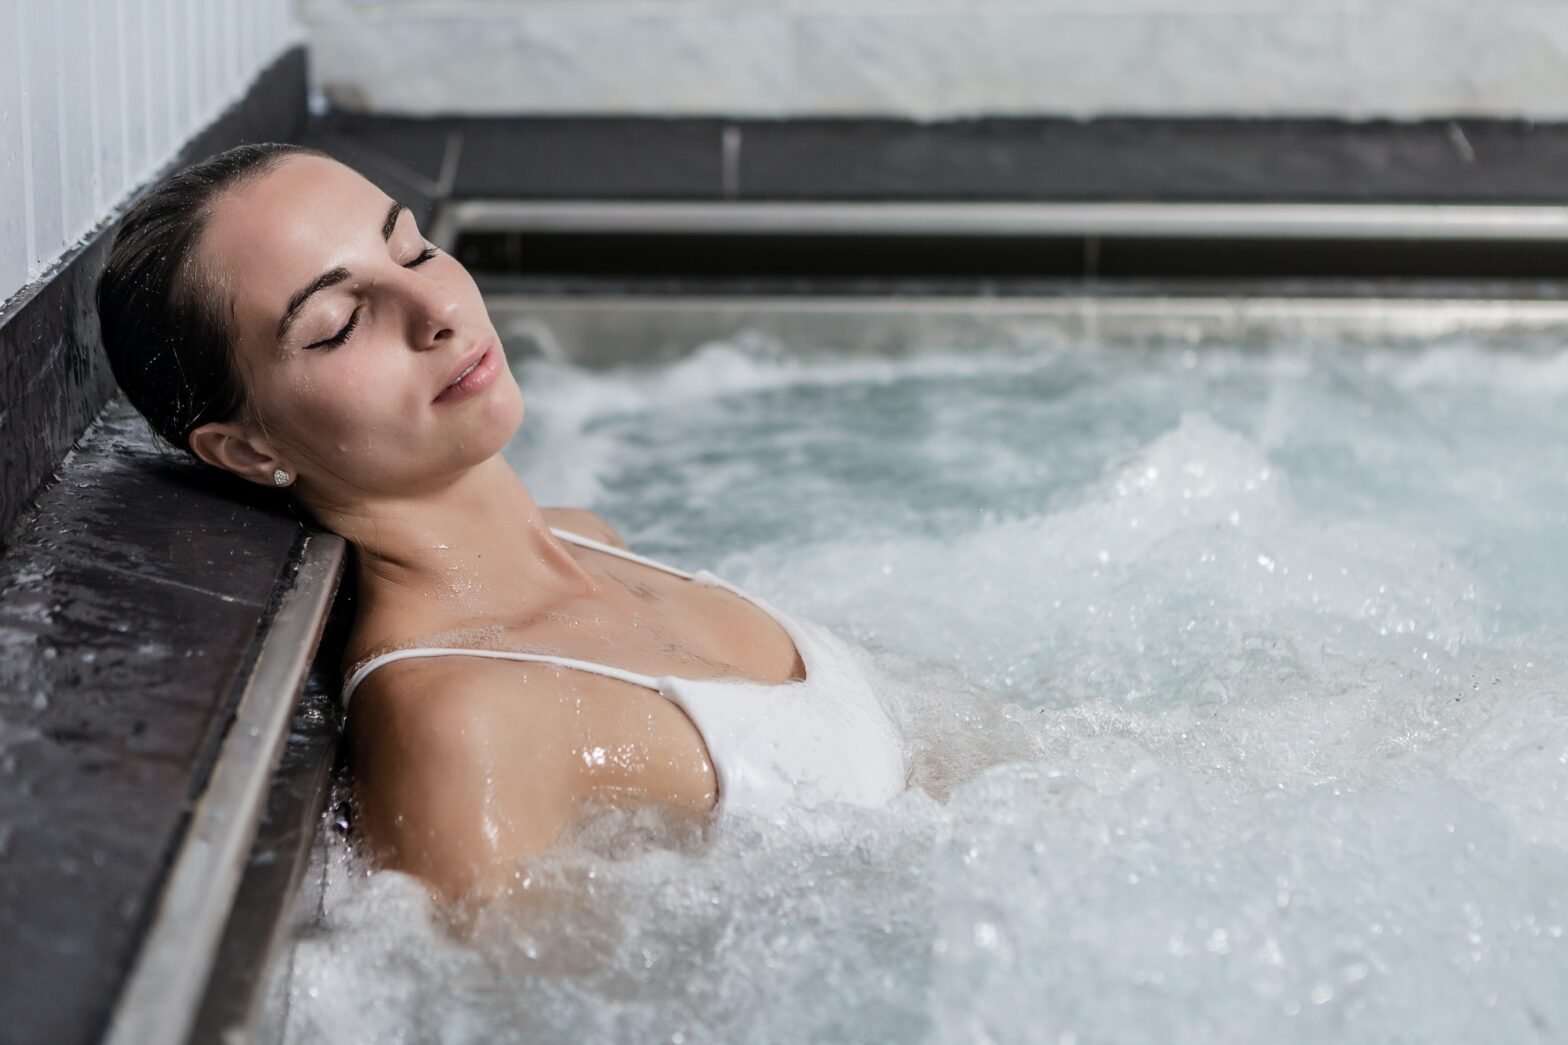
point(130, 603)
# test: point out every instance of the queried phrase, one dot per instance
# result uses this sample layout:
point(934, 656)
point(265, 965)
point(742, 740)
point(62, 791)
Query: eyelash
point(353, 321)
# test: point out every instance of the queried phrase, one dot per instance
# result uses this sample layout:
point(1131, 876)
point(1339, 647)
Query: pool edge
point(160, 997)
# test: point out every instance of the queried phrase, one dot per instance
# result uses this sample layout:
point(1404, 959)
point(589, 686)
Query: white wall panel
point(105, 69)
point(166, 72)
point(75, 87)
point(135, 98)
point(13, 187)
point(41, 132)
point(1403, 59)
point(184, 58)
point(96, 96)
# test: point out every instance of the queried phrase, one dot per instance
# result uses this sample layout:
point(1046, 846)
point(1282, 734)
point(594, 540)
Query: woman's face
point(348, 326)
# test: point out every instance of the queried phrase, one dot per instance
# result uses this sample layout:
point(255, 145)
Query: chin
point(503, 420)
point(517, 411)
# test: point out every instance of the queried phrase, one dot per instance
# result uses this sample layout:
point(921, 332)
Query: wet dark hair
point(166, 328)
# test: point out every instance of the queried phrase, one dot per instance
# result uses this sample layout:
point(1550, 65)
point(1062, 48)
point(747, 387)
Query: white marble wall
point(938, 58)
point(97, 95)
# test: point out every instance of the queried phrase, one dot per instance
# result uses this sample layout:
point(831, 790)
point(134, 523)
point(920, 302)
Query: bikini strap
point(456, 651)
point(565, 662)
point(589, 542)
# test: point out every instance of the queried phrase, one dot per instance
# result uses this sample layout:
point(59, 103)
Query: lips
point(466, 364)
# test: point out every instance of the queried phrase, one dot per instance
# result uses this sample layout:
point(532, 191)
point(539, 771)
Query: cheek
point(353, 406)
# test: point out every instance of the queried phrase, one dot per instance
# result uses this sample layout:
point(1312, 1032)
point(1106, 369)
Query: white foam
point(1233, 681)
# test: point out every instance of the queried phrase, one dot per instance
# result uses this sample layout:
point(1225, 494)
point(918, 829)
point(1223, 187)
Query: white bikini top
point(826, 737)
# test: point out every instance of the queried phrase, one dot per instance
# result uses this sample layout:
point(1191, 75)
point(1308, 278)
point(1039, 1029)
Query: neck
point(463, 551)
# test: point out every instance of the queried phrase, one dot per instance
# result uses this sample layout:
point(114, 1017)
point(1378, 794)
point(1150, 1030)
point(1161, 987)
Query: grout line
point(1456, 135)
point(731, 161)
point(171, 582)
point(407, 173)
point(449, 162)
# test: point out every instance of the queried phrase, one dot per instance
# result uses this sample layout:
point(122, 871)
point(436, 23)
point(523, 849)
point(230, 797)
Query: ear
point(227, 446)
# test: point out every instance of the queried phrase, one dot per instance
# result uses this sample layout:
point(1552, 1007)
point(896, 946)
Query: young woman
point(276, 315)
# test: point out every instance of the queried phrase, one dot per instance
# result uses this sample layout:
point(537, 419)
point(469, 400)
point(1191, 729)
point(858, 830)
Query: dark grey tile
point(991, 158)
point(53, 379)
point(417, 192)
point(124, 663)
point(1153, 159)
point(413, 147)
point(602, 158)
point(80, 877)
point(128, 505)
point(115, 692)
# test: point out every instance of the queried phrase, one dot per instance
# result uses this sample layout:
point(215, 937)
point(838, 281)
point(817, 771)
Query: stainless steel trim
point(1132, 305)
point(246, 997)
point(607, 330)
point(1305, 221)
point(165, 986)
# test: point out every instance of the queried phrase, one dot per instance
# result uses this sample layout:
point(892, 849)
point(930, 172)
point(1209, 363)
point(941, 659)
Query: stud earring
point(280, 477)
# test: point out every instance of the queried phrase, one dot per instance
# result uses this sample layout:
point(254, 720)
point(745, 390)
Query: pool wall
point(934, 59)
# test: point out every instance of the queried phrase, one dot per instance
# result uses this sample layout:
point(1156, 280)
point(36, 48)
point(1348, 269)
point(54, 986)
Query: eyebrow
point(333, 276)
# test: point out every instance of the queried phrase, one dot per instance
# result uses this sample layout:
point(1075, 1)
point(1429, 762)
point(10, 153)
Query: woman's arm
point(464, 767)
point(451, 785)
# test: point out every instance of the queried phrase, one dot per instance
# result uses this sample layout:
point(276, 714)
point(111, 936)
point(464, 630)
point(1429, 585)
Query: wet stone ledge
point(427, 160)
point(132, 599)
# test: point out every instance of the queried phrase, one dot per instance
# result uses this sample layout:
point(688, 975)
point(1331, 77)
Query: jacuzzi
point(1225, 632)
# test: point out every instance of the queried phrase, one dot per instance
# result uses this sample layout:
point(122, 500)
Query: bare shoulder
point(461, 768)
point(466, 709)
point(428, 696)
point(582, 521)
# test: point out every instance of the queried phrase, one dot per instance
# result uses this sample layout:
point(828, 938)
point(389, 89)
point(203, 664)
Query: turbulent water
point(1235, 682)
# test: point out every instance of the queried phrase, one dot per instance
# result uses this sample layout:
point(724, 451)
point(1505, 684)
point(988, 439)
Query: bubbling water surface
point(1233, 679)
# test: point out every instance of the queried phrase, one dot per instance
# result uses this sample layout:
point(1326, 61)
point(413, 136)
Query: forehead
point(275, 233)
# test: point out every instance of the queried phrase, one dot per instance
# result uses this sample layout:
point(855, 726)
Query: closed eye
point(341, 336)
point(348, 328)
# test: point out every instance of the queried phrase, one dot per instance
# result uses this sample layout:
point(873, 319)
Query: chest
point(639, 620)
point(673, 626)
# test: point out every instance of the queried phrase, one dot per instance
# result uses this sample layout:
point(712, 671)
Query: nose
point(432, 310)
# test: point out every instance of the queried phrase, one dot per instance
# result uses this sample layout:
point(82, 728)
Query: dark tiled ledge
point(994, 158)
point(132, 602)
